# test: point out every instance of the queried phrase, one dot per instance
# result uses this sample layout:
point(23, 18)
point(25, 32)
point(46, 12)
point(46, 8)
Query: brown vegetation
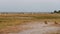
point(7, 20)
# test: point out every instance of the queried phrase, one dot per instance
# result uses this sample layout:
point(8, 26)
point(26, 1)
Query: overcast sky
point(29, 5)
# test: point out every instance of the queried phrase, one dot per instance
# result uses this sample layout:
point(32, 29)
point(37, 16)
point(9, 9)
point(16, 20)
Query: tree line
point(55, 11)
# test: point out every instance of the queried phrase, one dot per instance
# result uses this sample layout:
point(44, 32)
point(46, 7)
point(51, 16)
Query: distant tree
point(55, 11)
point(58, 11)
point(51, 12)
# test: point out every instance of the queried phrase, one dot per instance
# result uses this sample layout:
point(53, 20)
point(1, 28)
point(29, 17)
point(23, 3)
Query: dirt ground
point(33, 28)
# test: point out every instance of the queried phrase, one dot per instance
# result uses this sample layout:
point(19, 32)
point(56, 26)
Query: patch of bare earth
point(33, 28)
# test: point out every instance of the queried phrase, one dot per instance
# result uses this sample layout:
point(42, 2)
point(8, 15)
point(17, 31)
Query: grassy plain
point(18, 19)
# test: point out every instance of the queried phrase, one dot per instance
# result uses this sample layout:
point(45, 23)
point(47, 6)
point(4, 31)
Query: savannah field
point(11, 22)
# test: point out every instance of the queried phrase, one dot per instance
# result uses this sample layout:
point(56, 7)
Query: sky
point(29, 5)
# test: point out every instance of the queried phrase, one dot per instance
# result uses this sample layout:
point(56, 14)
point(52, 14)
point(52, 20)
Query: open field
point(13, 20)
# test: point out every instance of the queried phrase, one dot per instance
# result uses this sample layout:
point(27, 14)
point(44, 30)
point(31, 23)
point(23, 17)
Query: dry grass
point(16, 19)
